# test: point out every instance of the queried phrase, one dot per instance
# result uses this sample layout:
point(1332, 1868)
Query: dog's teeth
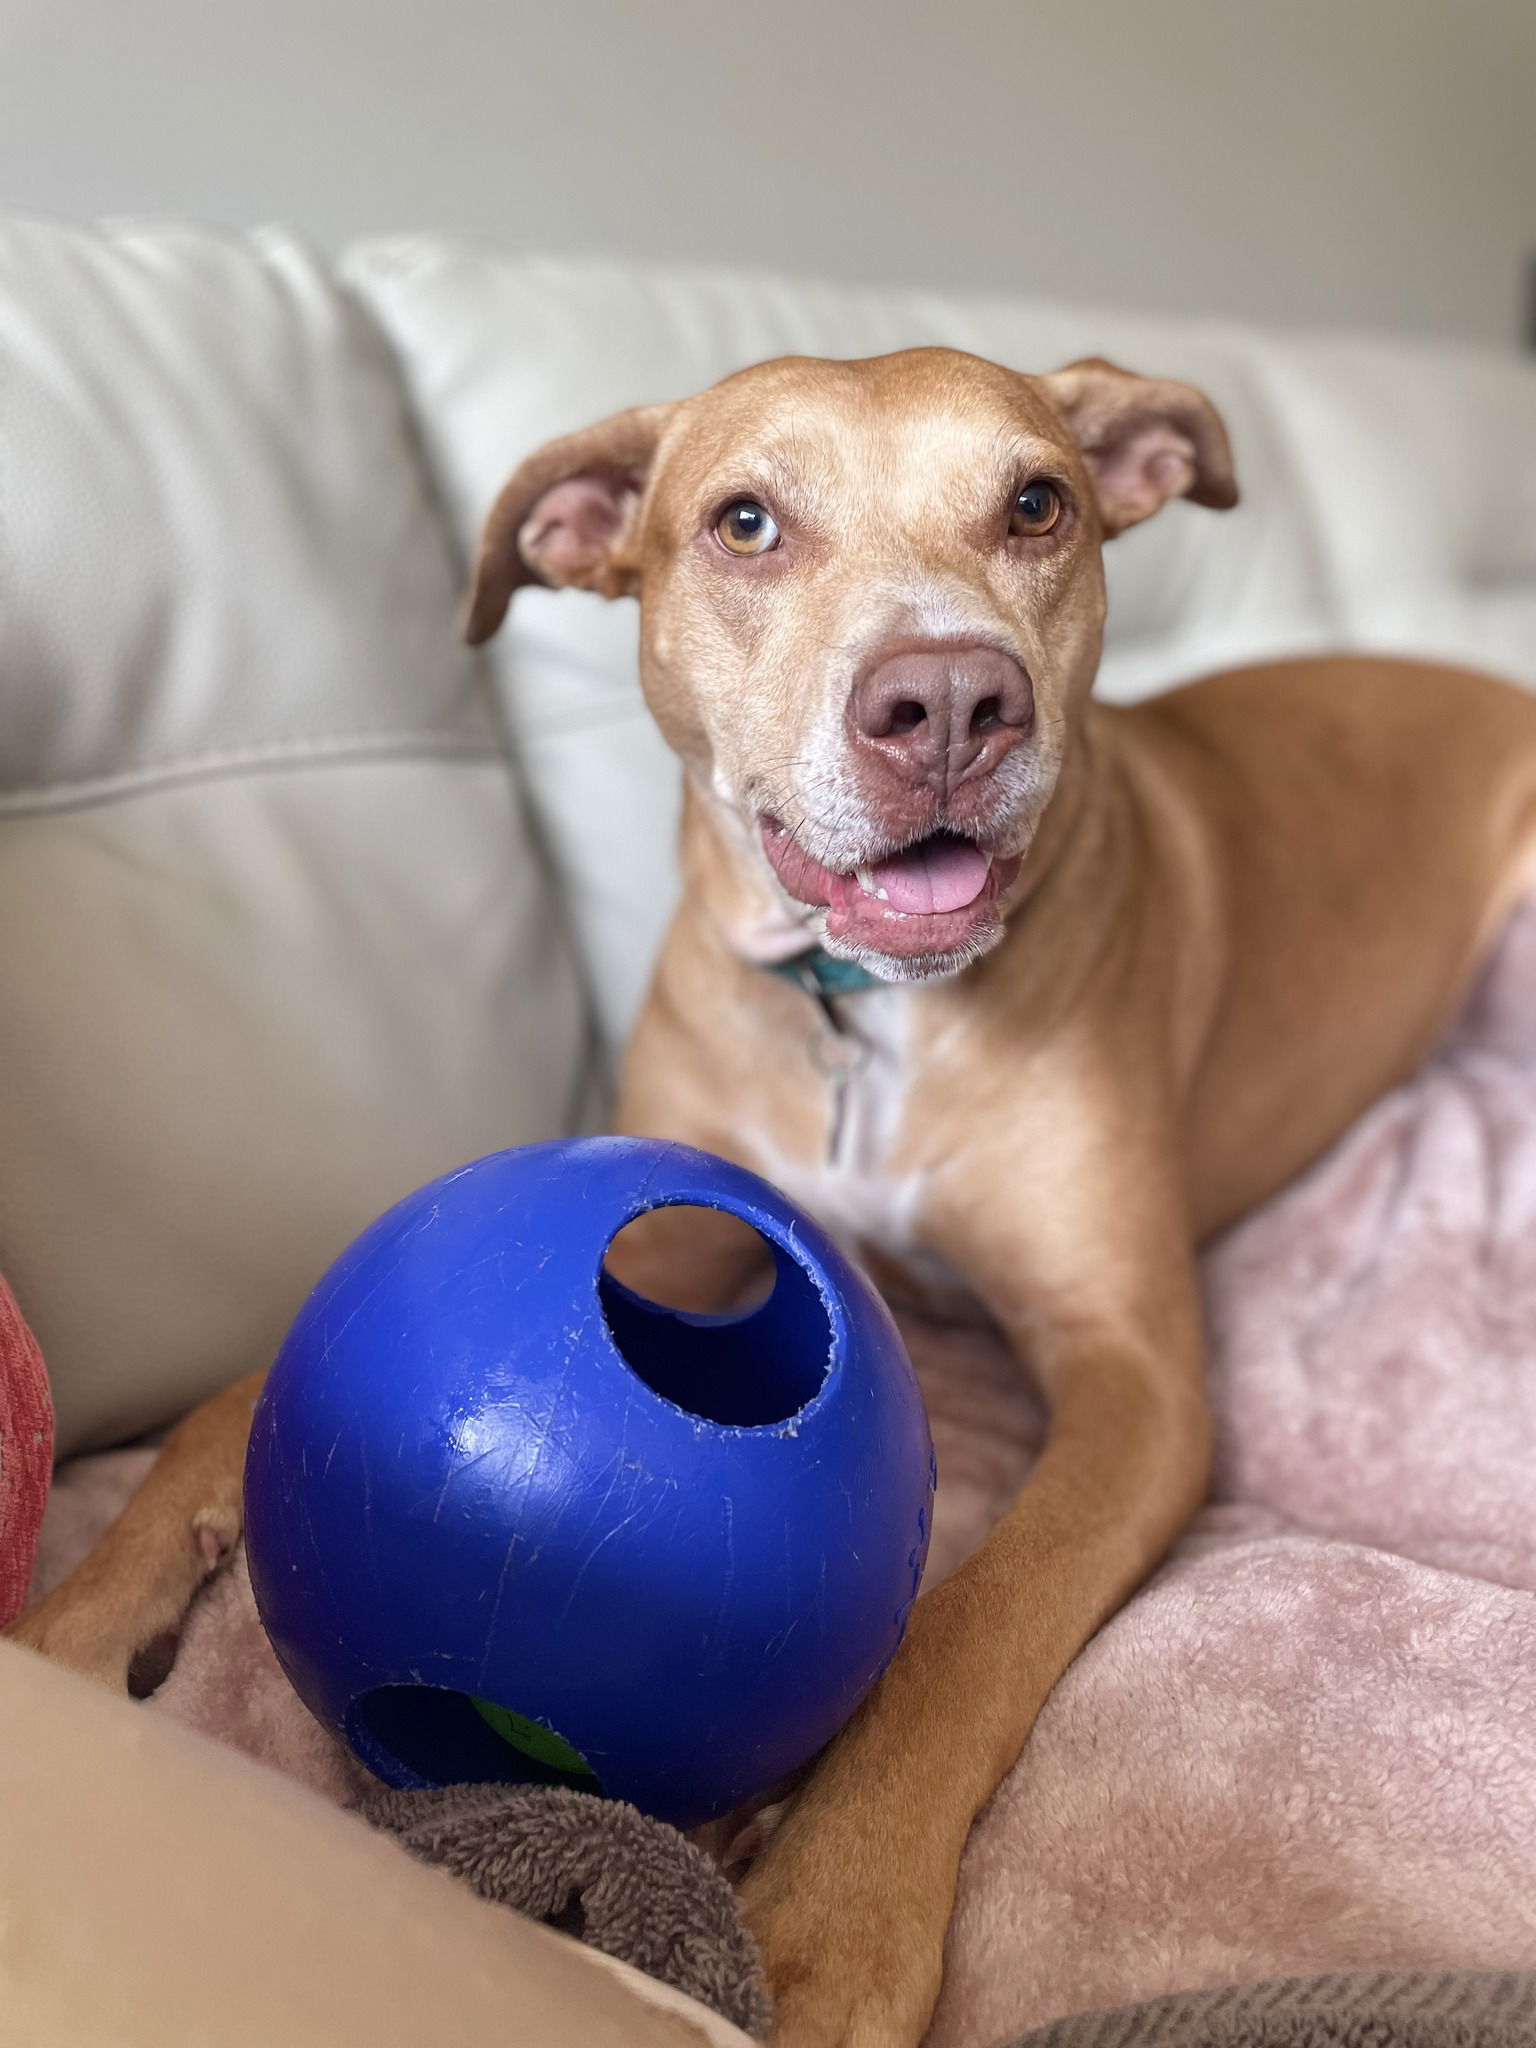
point(865, 877)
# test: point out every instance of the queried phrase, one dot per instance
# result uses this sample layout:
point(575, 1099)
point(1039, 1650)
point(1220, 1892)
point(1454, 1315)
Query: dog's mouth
point(933, 900)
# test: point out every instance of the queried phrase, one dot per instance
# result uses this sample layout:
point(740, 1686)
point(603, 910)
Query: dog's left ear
point(1145, 439)
point(565, 517)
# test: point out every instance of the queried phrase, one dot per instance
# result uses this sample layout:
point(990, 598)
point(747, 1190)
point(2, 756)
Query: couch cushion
point(1421, 461)
point(276, 944)
point(1333, 544)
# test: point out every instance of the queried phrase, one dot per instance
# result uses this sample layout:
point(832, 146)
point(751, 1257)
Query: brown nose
point(942, 715)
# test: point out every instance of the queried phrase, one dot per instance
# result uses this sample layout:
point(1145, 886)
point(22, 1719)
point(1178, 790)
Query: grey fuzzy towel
point(595, 1868)
point(1347, 2009)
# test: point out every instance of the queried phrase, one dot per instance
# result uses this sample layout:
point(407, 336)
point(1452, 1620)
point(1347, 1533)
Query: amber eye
point(1036, 509)
point(747, 528)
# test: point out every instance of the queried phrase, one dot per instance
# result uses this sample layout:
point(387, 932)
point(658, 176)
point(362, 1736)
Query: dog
point(1023, 994)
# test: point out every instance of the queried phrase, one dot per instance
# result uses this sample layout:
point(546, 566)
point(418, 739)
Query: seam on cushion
point(536, 725)
point(299, 752)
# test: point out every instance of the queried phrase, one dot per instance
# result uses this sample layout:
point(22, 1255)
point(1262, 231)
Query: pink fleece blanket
point(1310, 1743)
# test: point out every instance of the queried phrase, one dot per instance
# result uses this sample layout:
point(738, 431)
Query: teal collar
point(820, 975)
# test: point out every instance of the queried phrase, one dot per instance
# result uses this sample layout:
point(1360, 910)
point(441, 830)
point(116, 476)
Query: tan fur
point(1242, 912)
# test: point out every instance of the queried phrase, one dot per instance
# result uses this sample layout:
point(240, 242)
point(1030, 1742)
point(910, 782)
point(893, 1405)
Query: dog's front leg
point(851, 1899)
point(138, 1581)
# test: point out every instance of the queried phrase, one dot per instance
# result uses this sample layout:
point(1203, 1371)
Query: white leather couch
point(301, 902)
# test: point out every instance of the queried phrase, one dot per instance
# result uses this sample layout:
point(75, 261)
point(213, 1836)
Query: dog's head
point(872, 602)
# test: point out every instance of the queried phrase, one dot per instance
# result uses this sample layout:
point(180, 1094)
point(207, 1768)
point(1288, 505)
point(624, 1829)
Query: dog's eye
point(747, 528)
point(1036, 509)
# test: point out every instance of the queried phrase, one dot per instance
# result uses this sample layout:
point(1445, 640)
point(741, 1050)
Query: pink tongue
point(939, 874)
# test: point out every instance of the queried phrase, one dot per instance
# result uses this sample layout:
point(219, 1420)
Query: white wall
point(1367, 161)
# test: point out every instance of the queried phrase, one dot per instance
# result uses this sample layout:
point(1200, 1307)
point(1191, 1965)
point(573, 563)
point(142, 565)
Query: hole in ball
point(432, 1735)
point(686, 1257)
point(750, 1342)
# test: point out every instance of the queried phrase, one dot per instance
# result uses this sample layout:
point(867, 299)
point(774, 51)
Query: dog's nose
point(942, 715)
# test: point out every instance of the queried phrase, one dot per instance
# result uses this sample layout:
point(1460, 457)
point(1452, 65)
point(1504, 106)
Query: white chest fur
point(854, 1190)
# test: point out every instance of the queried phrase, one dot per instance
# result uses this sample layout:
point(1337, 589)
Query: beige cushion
point(157, 1891)
point(274, 943)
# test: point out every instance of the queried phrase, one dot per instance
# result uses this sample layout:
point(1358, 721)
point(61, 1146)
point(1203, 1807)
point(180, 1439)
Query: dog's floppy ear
point(1146, 440)
point(564, 517)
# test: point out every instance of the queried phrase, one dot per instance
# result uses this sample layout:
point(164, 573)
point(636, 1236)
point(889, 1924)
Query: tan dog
point(1135, 967)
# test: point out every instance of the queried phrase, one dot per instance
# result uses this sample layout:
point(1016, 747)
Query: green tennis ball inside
point(534, 1740)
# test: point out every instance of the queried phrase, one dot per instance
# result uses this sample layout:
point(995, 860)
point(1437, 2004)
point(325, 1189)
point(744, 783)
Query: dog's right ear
point(565, 517)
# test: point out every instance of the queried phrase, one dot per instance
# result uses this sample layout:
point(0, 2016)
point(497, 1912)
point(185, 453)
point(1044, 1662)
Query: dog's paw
point(115, 1620)
point(69, 1633)
point(853, 1953)
point(848, 1984)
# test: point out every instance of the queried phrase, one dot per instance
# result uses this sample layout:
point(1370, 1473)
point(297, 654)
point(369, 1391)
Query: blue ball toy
point(507, 1520)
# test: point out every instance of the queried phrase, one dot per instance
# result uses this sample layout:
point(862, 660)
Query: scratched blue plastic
point(458, 1485)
